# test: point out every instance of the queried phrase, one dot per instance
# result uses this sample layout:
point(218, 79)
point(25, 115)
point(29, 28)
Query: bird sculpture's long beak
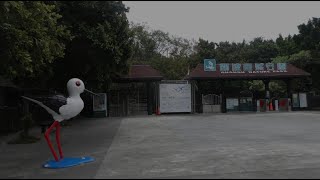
point(91, 92)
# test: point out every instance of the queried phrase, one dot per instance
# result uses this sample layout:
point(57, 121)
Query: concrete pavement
point(256, 145)
point(85, 137)
point(216, 146)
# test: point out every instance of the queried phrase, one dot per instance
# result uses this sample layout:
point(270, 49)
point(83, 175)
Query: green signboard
point(209, 65)
point(252, 67)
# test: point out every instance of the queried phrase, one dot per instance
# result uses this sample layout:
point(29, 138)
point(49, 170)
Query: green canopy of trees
point(31, 39)
point(301, 50)
point(44, 43)
point(101, 45)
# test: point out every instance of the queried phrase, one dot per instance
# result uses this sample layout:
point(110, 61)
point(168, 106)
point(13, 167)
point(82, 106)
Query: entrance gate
point(128, 99)
point(211, 103)
point(246, 101)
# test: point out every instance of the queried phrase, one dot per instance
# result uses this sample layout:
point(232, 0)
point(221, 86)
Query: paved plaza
point(233, 145)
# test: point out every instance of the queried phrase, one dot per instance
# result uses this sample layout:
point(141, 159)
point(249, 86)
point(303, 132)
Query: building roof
point(198, 73)
point(142, 73)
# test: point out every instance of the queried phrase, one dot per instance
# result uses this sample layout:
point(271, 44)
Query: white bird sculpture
point(61, 108)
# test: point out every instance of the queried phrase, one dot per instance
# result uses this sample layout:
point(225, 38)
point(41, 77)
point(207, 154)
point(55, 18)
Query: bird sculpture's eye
point(78, 83)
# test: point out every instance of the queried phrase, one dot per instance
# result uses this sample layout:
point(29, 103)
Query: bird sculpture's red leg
point(58, 140)
point(46, 135)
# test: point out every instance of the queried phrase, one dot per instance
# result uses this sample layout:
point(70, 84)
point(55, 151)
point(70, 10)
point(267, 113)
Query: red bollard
point(270, 107)
point(158, 111)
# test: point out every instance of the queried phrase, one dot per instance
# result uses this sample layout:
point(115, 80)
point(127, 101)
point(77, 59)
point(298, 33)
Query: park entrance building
point(210, 88)
point(136, 93)
point(211, 80)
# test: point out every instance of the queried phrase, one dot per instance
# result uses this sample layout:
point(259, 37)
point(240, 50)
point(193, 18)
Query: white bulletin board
point(175, 98)
point(303, 100)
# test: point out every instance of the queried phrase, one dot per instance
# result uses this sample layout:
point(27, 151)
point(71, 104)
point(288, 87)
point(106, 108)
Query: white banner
point(100, 102)
point(231, 103)
point(303, 100)
point(175, 98)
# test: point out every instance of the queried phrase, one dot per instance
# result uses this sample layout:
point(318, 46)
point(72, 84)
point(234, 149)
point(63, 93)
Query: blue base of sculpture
point(67, 162)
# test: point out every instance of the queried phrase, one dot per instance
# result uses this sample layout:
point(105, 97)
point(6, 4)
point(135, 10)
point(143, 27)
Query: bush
point(24, 137)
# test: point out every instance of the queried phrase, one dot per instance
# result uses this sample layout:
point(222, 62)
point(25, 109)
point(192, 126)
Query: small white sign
point(303, 100)
point(231, 103)
point(100, 102)
point(276, 103)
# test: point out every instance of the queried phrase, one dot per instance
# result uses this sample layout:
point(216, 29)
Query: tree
point(308, 42)
point(144, 45)
point(171, 55)
point(205, 49)
point(231, 52)
point(286, 46)
point(309, 35)
point(261, 51)
point(30, 40)
point(305, 61)
point(101, 45)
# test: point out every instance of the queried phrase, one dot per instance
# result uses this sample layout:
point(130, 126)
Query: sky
point(218, 21)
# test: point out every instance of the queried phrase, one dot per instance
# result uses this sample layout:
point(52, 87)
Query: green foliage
point(304, 60)
point(256, 85)
point(24, 137)
point(171, 69)
point(301, 59)
point(144, 46)
point(280, 59)
point(257, 50)
point(309, 35)
point(170, 55)
point(261, 50)
point(101, 45)
point(278, 87)
point(302, 50)
point(286, 46)
point(205, 49)
point(30, 39)
point(45, 43)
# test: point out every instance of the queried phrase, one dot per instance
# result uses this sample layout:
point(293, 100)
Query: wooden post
point(138, 101)
point(223, 98)
point(267, 92)
point(193, 96)
point(128, 104)
point(266, 88)
point(289, 93)
point(118, 106)
point(149, 98)
point(288, 83)
point(157, 92)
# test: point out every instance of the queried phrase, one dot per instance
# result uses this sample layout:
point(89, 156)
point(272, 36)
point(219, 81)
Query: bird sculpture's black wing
point(54, 102)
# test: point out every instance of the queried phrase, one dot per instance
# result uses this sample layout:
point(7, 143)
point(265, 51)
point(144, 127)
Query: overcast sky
point(224, 20)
